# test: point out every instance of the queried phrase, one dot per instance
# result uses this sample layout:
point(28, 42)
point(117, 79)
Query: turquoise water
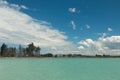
point(59, 69)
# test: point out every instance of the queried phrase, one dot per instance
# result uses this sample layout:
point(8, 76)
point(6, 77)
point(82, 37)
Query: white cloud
point(87, 26)
point(54, 48)
point(73, 10)
point(84, 43)
point(69, 49)
point(24, 7)
point(73, 25)
point(5, 4)
point(108, 45)
point(109, 29)
point(81, 47)
point(102, 34)
point(17, 27)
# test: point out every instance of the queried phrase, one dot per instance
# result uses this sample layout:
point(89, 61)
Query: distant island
point(32, 51)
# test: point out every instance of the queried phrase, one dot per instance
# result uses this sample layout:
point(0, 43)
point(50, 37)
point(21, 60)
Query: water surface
point(59, 69)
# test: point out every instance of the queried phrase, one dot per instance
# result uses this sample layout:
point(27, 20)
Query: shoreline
point(67, 57)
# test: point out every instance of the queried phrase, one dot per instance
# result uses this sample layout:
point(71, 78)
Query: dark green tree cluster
point(29, 51)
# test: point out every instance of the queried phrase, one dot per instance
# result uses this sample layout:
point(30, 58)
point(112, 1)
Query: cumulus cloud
point(104, 45)
point(17, 27)
point(73, 25)
point(68, 49)
point(80, 47)
point(109, 29)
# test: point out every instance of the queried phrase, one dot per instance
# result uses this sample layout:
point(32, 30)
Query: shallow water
point(59, 69)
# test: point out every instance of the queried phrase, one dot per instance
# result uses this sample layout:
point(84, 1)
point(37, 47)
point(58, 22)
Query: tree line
point(30, 51)
point(34, 51)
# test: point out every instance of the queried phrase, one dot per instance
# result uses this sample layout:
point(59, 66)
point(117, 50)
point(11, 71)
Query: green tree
point(30, 49)
point(4, 50)
point(11, 52)
point(21, 51)
point(37, 51)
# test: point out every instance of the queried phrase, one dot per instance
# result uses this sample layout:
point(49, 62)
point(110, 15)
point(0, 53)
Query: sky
point(86, 27)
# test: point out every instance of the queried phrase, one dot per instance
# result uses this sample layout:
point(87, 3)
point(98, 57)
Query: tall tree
point(37, 51)
point(31, 49)
point(4, 50)
point(11, 51)
point(21, 51)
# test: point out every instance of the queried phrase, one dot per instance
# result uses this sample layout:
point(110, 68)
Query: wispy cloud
point(76, 37)
point(5, 4)
point(88, 26)
point(110, 29)
point(17, 27)
point(102, 35)
point(73, 25)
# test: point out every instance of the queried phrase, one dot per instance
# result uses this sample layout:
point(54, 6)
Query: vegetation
point(32, 51)
point(29, 51)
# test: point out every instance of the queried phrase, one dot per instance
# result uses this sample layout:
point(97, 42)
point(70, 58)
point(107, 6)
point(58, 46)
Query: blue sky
point(75, 20)
point(98, 14)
